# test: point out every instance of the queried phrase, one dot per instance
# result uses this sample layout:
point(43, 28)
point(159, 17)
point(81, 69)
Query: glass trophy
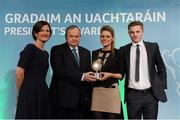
point(96, 66)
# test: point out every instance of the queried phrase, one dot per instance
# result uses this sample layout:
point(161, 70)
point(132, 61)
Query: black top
point(111, 65)
point(33, 94)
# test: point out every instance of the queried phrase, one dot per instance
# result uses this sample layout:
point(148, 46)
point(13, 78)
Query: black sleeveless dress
point(33, 94)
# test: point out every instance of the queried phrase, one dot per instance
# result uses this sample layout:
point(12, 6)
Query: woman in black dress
point(32, 90)
point(105, 97)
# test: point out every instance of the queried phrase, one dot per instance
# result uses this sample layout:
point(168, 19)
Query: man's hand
point(89, 77)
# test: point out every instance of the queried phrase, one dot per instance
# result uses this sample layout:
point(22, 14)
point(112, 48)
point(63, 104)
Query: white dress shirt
point(144, 79)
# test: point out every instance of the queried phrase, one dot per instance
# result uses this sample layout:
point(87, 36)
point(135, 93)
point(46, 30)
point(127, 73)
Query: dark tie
point(137, 63)
point(75, 55)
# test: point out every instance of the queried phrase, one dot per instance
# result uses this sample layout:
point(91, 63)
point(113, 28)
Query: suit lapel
point(149, 54)
point(80, 56)
point(127, 56)
point(83, 58)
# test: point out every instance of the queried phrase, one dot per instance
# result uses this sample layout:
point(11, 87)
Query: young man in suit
point(70, 88)
point(145, 72)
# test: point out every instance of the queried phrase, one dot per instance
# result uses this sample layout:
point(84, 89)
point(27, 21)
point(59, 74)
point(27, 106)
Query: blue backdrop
point(160, 17)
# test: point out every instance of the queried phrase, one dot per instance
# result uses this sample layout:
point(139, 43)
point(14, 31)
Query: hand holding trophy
point(96, 66)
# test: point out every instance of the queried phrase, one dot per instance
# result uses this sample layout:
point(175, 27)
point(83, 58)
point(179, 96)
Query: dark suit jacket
point(67, 89)
point(157, 70)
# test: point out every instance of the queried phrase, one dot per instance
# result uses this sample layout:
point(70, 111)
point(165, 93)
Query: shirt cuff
point(82, 78)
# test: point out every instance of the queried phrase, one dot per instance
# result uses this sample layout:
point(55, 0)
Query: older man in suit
point(70, 88)
point(145, 72)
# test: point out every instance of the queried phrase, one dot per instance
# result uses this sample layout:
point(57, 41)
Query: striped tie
point(75, 55)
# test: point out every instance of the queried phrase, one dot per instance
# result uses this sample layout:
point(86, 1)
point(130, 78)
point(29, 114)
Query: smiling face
point(106, 39)
point(41, 31)
point(44, 34)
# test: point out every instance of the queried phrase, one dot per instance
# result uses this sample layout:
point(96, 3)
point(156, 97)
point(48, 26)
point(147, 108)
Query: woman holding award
point(105, 96)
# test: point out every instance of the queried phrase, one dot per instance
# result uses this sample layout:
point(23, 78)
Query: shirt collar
point(139, 43)
point(75, 47)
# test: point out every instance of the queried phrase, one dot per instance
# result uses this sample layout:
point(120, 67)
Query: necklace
point(100, 57)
